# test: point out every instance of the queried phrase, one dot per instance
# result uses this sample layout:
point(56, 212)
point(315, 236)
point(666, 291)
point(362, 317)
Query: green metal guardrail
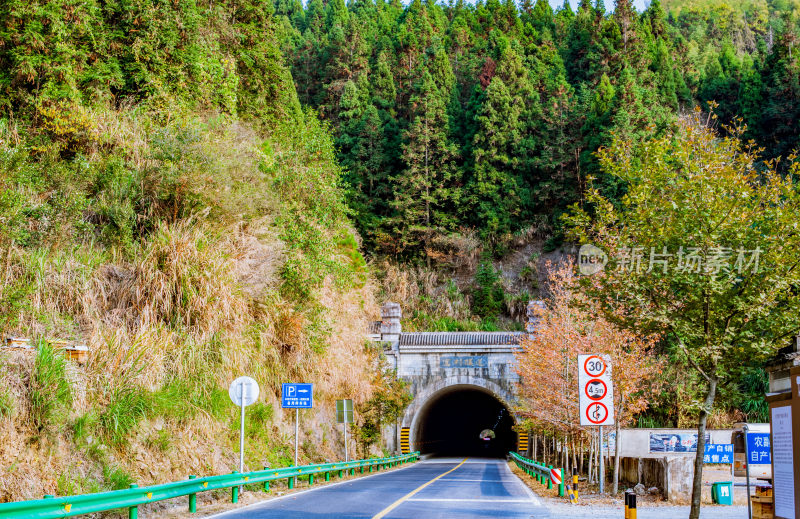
point(540, 471)
point(70, 506)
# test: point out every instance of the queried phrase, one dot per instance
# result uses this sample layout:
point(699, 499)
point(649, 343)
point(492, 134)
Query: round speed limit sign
point(594, 366)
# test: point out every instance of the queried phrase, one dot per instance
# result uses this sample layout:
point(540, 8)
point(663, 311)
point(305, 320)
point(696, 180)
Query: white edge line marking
point(509, 500)
point(480, 480)
point(295, 494)
point(528, 490)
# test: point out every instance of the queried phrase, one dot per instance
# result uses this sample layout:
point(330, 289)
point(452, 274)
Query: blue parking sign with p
point(758, 451)
point(298, 396)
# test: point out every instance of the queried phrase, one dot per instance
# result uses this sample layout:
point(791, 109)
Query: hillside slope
point(166, 202)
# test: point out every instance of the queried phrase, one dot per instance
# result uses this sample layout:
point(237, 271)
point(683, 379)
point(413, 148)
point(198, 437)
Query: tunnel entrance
point(455, 423)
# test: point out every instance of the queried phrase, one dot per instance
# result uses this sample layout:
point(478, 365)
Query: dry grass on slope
point(171, 318)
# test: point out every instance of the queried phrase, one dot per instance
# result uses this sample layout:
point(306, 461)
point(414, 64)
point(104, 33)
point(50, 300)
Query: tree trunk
point(575, 446)
point(616, 444)
point(546, 453)
point(697, 481)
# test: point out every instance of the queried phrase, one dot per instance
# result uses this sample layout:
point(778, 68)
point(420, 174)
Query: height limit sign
point(596, 395)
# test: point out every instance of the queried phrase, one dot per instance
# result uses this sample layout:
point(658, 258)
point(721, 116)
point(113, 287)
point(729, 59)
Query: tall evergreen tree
point(496, 194)
point(423, 196)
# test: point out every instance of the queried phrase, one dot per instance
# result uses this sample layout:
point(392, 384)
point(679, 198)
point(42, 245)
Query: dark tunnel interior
point(451, 425)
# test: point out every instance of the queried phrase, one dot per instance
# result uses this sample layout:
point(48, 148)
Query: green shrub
point(488, 298)
point(312, 218)
point(183, 399)
point(127, 406)
point(49, 392)
point(71, 482)
point(382, 409)
point(84, 425)
point(261, 413)
point(116, 478)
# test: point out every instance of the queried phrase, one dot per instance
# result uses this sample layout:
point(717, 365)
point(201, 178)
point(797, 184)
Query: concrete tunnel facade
point(462, 383)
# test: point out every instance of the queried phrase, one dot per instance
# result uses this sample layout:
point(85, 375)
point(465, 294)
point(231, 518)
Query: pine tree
point(383, 89)
point(496, 196)
point(368, 175)
point(781, 111)
point(423, 195)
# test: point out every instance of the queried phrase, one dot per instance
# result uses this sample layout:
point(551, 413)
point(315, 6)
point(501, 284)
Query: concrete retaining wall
point(672, 475)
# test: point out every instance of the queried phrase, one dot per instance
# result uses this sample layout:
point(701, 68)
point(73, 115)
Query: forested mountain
point(487, 115)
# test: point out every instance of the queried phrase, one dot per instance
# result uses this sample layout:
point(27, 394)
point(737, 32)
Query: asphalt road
point(445, 487)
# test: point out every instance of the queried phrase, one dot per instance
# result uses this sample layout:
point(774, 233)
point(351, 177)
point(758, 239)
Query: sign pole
point(747, 471)
point(243, 391)
point(296, 426)
point(602, 471)
point(733, 482)
point(346, 458)
point(297, 396)
point(241, 435)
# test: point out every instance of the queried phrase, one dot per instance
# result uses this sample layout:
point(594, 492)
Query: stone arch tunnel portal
point(464, 420)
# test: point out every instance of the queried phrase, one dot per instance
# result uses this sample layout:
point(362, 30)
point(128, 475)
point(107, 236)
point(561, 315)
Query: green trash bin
point(722, 493)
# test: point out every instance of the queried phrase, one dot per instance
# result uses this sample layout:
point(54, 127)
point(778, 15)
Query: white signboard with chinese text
point(596, 390)
point(783, 462)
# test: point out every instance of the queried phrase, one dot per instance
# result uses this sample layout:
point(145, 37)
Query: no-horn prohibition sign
point(595, 390)
point(597, 413)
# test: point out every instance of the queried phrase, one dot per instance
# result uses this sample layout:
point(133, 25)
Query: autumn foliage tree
point(702, 249)
point(568, 325)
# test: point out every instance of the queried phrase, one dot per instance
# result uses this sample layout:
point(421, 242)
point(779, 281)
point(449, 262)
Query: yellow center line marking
point(397, 503)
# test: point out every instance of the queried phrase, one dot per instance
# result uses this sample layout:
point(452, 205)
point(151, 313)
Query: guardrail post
point(290, 483)
point(341, 473)
point(310, 479)
point(192, 498)
point(266, 483)
point(561, 485)
point(133, 511)
point(235, 491)
point(549, 479)
point(327, 476)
